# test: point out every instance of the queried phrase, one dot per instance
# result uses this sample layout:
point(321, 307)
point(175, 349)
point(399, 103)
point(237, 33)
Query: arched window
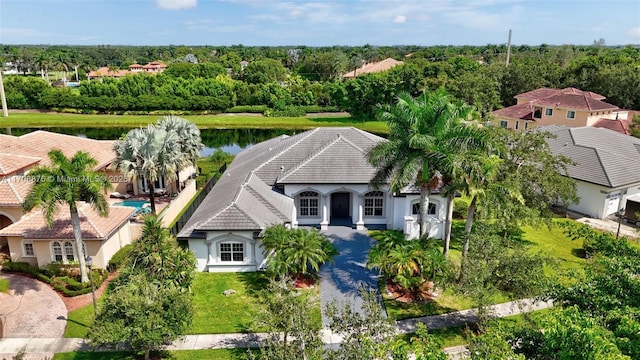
point(68, 251)
point(415, 209)
point(374, 203)
point(309, 202)
point(57, 251)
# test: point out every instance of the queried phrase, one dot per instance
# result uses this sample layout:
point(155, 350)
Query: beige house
point(370, 68)
point(154, 67)
point(569, 107)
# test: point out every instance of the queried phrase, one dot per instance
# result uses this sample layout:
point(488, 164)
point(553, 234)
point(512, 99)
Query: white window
point(57, 251)
point(68, 251)
point(415, 209)
point(571, 114)
point(517, 124)
point(232, 252)
point(28, 250)
point(374, 203)
point(504, 123)
point(309, 202)
point(548, 112)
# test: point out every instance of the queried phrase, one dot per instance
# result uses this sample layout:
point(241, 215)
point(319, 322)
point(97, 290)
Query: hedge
point(118, 259)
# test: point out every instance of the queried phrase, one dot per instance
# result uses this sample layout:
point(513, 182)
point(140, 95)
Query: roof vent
point(281, 167)
point(270, 148)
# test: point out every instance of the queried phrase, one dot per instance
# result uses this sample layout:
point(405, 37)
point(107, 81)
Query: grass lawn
point(218, 354)
point(4, 286)
point(79, 321)
point(215, 313)
point(203, 121)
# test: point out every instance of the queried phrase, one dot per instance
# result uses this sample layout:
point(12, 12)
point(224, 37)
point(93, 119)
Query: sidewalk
point(9, 347)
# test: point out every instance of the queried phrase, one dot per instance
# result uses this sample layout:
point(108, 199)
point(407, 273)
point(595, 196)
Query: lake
point(228, 140)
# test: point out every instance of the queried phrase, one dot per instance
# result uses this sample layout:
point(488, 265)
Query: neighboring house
point(605, 169)
point(27, 235)
point(570, 107)
point(315, 178)
point(154, 67)
point(380, 66)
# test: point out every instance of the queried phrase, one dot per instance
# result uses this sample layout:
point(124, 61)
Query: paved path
point(342, 279)
point(226, 341)
point(31, 309)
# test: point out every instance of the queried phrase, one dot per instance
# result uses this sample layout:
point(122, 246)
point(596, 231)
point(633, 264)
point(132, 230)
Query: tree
point(189, 141)
point(148, 154)
point(295, 252)
point(425, 135)
point(67, 182)
point(150, 302)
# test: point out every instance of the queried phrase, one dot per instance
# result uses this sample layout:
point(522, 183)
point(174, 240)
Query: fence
point(186, 215)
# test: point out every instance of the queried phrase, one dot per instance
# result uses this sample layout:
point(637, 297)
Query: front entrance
point(340, 205)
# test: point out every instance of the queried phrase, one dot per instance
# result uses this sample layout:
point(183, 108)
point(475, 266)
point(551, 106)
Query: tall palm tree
point(66, 182)
point(424, 134)
point(148, 154)
point(189, 141)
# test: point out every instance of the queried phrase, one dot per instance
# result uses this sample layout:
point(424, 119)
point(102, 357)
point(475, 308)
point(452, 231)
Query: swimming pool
point(138, 204)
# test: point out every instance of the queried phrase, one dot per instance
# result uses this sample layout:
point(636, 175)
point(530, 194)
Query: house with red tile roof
point(370, 68)
point(569, 107)
point(27, 236)
point(154, 67)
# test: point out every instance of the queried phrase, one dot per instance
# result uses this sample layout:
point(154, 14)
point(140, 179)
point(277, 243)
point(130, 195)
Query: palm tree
point(189, 141)
point(66, 182)
point(424, 135)
point(148, 154)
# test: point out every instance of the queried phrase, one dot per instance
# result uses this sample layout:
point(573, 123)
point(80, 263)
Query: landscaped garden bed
point(64, 278)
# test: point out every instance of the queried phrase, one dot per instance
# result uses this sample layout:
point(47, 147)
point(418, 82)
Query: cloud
point(400, 19)
point(24, 32)
point(635, 32)
point(176, 4)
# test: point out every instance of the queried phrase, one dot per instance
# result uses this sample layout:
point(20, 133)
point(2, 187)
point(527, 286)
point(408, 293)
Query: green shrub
point(119, 258)
point(310, 109)
point(285, 111)
point(460, 208)
point(253, 109)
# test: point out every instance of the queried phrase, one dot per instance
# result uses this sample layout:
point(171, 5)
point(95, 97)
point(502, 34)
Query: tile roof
point(37, 144)
point(244, 198)
point(380, 66)
point(520, 111)
point(12, 163)
point(621, 126)
point(574, 101)
point(602, 156)
point(93, 226)
point(13, 190)
point(542, 93)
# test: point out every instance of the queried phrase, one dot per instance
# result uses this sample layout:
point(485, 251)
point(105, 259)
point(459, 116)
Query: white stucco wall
point(208, 257)
point(598, 201)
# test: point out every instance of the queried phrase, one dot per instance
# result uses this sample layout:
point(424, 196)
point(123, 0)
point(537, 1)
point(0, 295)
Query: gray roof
point(244, 198)
point(602, 156)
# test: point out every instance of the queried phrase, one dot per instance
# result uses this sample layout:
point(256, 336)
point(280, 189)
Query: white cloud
point(176, 4)
point(635, 32)
point(24, 32)
point(400, 19)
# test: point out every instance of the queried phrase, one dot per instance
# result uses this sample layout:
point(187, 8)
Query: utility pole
point(508, 48)
point(5, 111)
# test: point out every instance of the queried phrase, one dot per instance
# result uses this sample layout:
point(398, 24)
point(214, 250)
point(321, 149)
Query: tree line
point(213, 79)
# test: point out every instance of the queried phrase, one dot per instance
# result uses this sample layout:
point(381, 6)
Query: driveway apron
point(342, 279)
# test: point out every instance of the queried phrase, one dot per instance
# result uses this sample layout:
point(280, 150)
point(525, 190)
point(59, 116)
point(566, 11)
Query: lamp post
point(89, 262)
point(620, 215)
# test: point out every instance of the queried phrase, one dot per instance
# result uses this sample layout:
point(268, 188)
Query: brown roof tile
point(542, 93)
point(12, 163)
point(520, 111)
point(383, 65)
point(621, 126)
point(13, 190)
point(574, 101)
point(94, 226)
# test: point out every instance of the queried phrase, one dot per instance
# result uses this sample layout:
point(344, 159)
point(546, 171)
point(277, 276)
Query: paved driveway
point(31, 309)
point(342, 279)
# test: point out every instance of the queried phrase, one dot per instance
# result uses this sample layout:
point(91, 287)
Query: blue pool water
point(138, 204)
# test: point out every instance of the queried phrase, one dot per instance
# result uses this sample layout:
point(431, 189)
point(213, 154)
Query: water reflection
point(228, 140)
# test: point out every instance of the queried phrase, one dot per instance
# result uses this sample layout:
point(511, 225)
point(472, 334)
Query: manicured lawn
point(203, 121)
point(4, 285)
point(79, 321)
point(215, 313)
point(218, 354)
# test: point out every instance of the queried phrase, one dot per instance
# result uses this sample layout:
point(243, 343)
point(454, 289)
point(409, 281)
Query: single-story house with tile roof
point(375, 67)
point(569, 106)
point(605, 170)
point(31, 240)
point(317, 178)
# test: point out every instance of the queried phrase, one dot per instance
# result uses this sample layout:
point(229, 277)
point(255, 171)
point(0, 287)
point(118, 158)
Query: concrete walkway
point(343, 278)
point(225, 341)
point(31, 309)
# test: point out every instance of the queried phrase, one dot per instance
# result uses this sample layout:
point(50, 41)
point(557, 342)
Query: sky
point(318, 22)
